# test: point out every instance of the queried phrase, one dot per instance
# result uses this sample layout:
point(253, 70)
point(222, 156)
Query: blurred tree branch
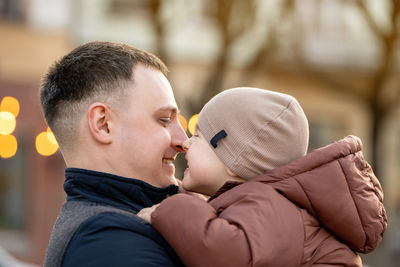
point(369, 19)
point(270, 43)
point(234, 18)
point(372, 94)
point(154, 7)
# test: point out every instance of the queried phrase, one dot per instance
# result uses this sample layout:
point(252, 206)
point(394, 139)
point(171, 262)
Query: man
point(115, 118)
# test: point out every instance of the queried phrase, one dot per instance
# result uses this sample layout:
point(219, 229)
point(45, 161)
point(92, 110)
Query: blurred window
point(12, 192)
point(120, 7)
point(11, 10)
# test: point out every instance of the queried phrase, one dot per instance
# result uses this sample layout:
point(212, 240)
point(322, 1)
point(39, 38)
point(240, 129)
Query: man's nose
point(179, 137)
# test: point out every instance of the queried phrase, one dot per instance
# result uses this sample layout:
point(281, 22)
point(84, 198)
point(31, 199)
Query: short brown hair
point(92, 71)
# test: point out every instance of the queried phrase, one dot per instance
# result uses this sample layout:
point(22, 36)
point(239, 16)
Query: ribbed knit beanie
point(254, 130)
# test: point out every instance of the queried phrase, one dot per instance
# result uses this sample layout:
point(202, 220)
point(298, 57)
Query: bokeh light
point(51, 136)
point(8, 146)
point(7, 123)
point(10, 104)
point(46, 144)
point(183, 122)
point(192, 123)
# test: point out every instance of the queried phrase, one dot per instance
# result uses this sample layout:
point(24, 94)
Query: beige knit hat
point(254, 130)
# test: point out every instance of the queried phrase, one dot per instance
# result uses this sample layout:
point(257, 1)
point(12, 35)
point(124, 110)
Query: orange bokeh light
point(10, 104)
point(183, 122)
point(46, 144)
point(8, 146)
point(192, 123)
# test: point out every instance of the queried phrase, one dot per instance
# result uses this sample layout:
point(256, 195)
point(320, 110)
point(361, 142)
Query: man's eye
point(165, 120)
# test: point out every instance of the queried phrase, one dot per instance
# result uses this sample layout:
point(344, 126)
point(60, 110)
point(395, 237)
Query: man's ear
point(230, 173)
point(98, 117)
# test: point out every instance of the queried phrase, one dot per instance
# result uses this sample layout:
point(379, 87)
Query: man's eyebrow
point(172, 109)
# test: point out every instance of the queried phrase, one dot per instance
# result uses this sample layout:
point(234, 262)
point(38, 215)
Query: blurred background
point(339, 58)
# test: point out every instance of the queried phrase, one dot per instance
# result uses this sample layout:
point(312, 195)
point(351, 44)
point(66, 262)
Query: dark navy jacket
point(112, 239)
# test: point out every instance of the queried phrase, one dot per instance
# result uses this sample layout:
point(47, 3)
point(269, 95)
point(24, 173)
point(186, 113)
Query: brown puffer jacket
point(309, 212)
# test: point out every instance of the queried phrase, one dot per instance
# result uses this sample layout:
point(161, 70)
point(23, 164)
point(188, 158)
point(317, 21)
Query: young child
point(271, 204)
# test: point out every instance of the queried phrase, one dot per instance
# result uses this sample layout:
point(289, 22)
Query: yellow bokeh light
point(8, 146)
point(192, 123)
point(183, 122)
point(51, 136)
point(44, 145)
point(7, 123)
point(10, 104)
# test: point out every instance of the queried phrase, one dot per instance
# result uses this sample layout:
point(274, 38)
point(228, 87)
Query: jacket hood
point(337, 186)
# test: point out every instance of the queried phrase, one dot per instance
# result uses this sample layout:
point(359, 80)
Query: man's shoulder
point(121, 223)
point(115, 221)
point(117, 238)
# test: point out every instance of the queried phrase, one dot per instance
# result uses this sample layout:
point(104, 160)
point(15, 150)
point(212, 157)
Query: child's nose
point(187, 144)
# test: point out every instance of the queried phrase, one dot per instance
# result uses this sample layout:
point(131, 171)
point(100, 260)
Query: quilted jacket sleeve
point(250, 225)
point(191, 226)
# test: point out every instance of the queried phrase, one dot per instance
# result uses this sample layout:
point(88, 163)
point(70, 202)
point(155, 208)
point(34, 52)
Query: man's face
point(148, 135)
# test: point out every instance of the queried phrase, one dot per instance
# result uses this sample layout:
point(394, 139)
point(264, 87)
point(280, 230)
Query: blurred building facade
point(334, 43)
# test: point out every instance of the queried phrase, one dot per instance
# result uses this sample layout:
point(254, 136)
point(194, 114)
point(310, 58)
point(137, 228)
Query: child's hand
point(145, 213)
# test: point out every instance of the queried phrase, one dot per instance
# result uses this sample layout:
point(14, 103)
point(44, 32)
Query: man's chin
point(174, 180)
point(166, 181)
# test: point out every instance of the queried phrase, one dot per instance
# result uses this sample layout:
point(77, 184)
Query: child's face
point(205, 173)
